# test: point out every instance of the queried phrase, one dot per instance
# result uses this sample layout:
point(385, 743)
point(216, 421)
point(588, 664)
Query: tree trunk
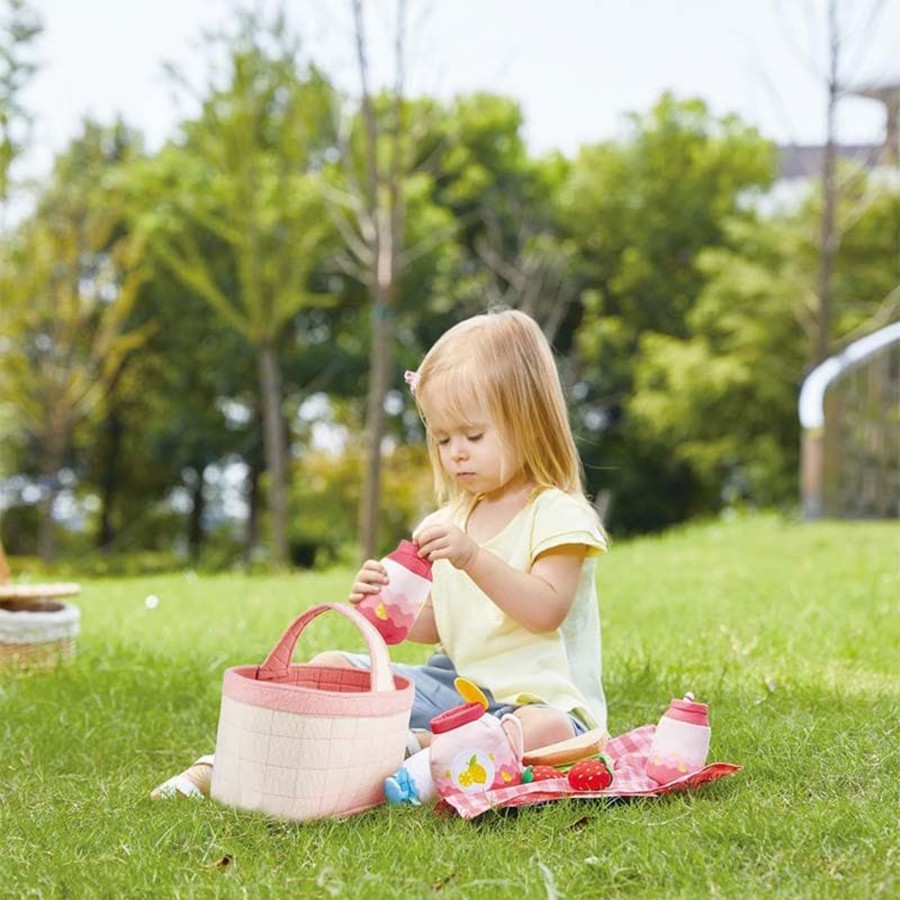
point(829, 238)
point(4, 567)
point(54, 448)
point(379, 380)
point(195, 522)
point(384, 213)
point(109, 479)
point(274, 449)
point(251, 533)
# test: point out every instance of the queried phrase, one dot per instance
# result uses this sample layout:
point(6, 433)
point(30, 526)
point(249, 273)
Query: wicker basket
point(36, 631)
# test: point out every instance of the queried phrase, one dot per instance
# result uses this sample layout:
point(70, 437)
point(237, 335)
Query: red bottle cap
point(459, 715)
point(407, 555)
point(688, 711)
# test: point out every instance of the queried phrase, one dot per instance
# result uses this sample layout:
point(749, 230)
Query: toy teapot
point(470, 751)
point(474, 751)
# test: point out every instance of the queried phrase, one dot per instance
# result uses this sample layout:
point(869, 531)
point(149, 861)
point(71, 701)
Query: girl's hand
point(447, 542)
point(370, 579)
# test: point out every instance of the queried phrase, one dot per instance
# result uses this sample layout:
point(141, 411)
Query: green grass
point(790, 631)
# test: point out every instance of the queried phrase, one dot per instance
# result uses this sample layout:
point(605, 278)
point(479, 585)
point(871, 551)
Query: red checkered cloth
point(628, 753)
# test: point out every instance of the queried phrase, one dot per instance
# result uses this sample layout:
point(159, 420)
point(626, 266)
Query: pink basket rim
point(240, 683)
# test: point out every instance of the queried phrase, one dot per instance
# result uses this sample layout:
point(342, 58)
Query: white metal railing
point(811, 409)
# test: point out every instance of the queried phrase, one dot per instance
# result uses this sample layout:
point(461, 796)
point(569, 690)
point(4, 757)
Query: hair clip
point(411, 378)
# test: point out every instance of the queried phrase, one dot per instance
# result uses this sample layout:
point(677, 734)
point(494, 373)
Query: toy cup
point(681, 741)
point(395, 607)
point(473, 751)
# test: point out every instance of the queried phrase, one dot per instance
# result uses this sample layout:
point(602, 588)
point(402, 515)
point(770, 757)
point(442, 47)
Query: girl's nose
point(458, 449)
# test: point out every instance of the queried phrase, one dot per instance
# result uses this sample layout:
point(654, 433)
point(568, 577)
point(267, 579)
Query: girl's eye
point(475, 437)
point(442, 442)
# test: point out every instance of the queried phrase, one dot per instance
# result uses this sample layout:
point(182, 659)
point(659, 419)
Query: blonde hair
point(501, 361)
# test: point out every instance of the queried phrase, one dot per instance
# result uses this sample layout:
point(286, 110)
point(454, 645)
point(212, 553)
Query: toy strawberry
point(540, 773)
point(591, 774)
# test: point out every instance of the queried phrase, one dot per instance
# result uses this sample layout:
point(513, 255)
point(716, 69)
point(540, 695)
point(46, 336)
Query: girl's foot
point(192, 782)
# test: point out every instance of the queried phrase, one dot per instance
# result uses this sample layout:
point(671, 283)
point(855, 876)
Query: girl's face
point(471, 452)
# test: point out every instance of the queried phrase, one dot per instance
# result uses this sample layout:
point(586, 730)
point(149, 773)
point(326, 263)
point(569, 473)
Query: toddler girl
point(513, 603)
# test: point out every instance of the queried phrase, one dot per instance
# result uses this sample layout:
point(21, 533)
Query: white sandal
point(182, 786)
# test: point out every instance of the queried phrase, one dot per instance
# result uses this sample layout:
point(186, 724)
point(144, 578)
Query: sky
point(576, 66)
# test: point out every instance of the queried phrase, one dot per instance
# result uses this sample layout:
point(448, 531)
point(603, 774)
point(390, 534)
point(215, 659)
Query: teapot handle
point(512, 726)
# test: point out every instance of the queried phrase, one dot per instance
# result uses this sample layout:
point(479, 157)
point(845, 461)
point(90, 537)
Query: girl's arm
point(424, 630)
point(538, 600)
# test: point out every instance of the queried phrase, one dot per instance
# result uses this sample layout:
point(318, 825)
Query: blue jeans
point(435, 692)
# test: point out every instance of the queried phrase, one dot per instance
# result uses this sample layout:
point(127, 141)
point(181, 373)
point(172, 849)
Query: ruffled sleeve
point(561, 519)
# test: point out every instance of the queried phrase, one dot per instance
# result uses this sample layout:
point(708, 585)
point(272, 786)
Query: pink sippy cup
point(681, 741)
point(395, 607)
point(473, 751)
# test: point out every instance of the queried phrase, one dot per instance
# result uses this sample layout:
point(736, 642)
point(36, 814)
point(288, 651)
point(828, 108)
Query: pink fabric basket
point(300, 741)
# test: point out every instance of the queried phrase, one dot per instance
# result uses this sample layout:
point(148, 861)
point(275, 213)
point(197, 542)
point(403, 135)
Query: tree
point(167, 419)
point(641, 212)
point(71, 276)
point(848, 31)
point(245, 174)
point(725, 396)
point(18, 29)
point(514, 248)
point(374, 240)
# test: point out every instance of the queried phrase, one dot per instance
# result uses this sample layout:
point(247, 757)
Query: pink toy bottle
point(394, 609)
point(681, 741)
point(473, 751)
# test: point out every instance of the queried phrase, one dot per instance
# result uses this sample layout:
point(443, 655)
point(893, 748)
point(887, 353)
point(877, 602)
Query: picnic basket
point(303, 741)
point(37, 628)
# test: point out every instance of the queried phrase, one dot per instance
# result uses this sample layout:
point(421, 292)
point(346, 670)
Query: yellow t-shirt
point(561, 668)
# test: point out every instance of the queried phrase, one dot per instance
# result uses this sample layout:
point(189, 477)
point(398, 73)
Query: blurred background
point(227, 229)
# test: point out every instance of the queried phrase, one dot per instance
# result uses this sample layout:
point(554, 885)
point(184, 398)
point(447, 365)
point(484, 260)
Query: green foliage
point(239, 257)
point(660, 197)
point(69, 283)
point(70, 278)
point(796, 657)
point(867, 267)
point(508, 247)
point(19, 28)
point(726, 396)
point(244, 178)
point(643, 212)
point(325, 496)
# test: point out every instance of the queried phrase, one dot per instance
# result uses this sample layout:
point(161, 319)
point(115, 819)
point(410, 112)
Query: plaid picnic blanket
point(628, 753)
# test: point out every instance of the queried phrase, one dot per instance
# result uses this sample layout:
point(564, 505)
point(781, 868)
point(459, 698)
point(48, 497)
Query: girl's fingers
point(374, 574)
point(372, 578)
point(363, 587)
point(360, 591)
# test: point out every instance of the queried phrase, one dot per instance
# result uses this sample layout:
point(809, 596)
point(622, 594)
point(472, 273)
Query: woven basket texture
point(45, 655)
point(37, 633)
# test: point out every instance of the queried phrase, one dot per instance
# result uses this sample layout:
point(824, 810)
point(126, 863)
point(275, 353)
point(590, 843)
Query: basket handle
point(279, 659)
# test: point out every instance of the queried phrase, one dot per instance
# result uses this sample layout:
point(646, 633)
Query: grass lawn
point(790, 631)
